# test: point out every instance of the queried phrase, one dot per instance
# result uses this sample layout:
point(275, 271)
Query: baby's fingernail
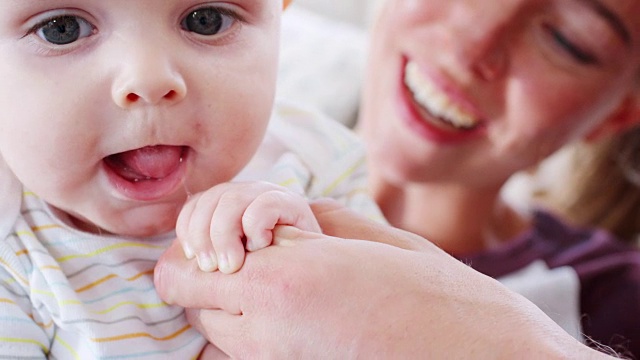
point(223, 263)
point(250, 245)
point(188, 252)
point(257, 243)
point(207, 262)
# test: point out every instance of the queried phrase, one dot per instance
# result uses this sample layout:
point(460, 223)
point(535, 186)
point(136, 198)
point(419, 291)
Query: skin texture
point(339, 296)
point(129, 82)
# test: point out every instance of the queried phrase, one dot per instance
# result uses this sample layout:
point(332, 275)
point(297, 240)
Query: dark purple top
point(556, 265)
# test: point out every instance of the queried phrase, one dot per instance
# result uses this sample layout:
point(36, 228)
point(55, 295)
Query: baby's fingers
point(226, 232)
point(182, 226)
point(275, 208)
point(192, 229)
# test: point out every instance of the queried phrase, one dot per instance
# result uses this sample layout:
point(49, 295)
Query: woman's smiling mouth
point(429, 98)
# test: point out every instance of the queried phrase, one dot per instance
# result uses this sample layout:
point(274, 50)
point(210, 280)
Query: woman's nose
point(482, 34)
point(148, 77)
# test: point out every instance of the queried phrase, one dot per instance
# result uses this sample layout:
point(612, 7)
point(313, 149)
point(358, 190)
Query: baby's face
point(113, 111)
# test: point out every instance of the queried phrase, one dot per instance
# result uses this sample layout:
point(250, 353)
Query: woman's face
point(471, 91)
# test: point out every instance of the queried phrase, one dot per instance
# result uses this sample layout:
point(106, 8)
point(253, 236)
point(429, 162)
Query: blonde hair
point(603, 186)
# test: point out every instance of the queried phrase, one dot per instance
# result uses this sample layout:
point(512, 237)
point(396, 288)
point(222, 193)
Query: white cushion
point(321, 64)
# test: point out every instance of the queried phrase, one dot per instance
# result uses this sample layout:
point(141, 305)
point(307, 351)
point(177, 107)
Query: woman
point(463, 94)
point(460, 96)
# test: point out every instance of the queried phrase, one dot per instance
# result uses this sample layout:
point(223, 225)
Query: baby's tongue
point(151, 162)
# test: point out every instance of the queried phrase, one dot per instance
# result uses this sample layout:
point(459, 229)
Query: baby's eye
point(63, 30)
point(209, 21)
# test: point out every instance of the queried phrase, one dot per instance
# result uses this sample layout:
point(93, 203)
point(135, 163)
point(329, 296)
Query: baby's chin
point(138, 224)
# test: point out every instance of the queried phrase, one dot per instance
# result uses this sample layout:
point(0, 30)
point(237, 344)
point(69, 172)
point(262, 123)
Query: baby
point(117, 113)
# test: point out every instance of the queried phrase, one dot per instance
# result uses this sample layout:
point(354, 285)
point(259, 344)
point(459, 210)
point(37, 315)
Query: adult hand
point(316, 296)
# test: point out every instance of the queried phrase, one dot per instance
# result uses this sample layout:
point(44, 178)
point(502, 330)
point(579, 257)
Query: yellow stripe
point(139, 335)
point(50, 267)
point(106, 249)
point(35, 229)
point(68, 347)
point(331, 188)
point(41, 324)
point(24, 341)
point(25, 233)
point(148, 272)
point(288, 182)
point(45, 227)
point(70, 302)
point(15, 273)
point(9, 281)
point(95, 283)
point(22, 252)
point(51, 294)
point(111, 276)
point(141, 306)
point(7, 301)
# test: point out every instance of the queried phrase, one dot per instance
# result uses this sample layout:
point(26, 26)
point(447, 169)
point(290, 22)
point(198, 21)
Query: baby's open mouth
point(148, 163)
point(150, 173)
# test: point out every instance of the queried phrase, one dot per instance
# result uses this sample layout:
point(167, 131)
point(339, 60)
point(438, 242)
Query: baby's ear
point(626, 116)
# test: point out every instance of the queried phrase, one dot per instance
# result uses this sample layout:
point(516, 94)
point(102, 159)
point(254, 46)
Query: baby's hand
point(213, 224)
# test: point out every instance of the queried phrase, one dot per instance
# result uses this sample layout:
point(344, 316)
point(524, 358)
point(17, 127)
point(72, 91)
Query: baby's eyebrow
point(28, 2)
point(611, 18)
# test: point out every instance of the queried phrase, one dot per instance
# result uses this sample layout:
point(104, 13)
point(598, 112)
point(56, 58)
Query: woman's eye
point(63, 30)
point(209, 21)
point(571, 48)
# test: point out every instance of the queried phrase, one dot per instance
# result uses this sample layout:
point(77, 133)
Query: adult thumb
point(179, 281)
point(339, 221)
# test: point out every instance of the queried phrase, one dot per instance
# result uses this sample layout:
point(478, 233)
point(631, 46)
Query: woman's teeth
point(429, 97)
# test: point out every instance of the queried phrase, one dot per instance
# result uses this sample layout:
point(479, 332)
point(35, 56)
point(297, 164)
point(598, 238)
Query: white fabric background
point(321, 63)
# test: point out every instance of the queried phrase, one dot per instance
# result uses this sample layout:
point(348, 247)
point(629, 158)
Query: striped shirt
point(68, 294)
